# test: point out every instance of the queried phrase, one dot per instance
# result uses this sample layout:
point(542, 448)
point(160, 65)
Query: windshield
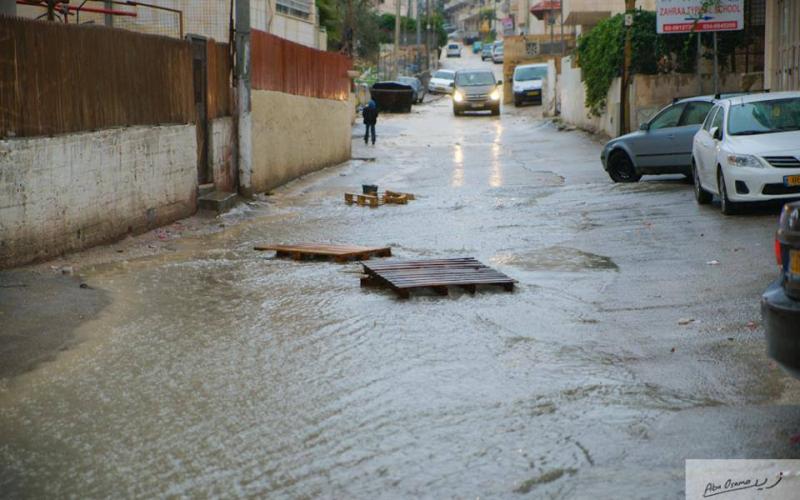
point(764, 117)
point(444, 75)
point(498, 50)
point(452, 46)
point(530, 73)
point(473, 79)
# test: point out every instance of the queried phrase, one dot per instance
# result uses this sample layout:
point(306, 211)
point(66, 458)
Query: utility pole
point(630, 6)
point(242, 76)
point(428, 43)
point(396, 67)
point(418, 20)
point(716, 66)
point(108, 19)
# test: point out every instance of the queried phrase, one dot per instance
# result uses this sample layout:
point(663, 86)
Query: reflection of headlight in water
point(495, 95)
point(458, 96)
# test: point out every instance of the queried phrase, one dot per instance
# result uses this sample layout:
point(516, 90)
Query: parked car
point(748, 150)
point(527, 84)
point(486, 51)
point(416, 84)
point(477, 46)
point(442, 82)
point(476, 90)
point(453, 50)
point(780, 304)
point(662, 145)
point(497, 54)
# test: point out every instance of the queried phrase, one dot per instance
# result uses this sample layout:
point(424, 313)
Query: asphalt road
point(632, 342)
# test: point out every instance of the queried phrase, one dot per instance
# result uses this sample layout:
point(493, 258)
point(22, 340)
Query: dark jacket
point(370, 114)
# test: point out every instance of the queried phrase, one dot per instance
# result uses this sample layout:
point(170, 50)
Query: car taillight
point(778, 256)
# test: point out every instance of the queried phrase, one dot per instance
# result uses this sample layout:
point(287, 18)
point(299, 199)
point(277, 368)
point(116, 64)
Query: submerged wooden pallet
point(438, 274)
point(373, 201)
point(339, 253)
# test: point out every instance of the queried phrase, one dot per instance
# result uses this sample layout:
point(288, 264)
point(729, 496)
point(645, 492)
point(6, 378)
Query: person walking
point(370, 114)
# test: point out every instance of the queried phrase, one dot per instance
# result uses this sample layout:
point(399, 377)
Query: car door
point(692, 119)
point(707, 149)
point(655, 147)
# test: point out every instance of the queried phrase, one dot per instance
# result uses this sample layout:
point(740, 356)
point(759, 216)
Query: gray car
point(416, 84)
point(476, 90)
point(662, 145)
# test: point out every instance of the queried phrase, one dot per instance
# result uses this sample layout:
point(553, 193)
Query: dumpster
point(394, 97)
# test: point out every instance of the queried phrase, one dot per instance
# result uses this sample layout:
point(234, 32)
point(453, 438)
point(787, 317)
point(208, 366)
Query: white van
point(527, 83)
point(453, 50)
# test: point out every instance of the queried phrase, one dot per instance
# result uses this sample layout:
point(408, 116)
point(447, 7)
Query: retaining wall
point(64, 193)
point(294, 135)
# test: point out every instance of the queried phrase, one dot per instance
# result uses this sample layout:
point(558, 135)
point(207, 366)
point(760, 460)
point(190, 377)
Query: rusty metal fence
point(220, 99)
point(57, 78)
point(285, 66)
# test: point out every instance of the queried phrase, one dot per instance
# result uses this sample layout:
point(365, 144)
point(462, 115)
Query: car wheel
point(728, 207)
point(702, 196)
point(621, 169)
point(517, 103)
point(496, 111)
point(456, 112)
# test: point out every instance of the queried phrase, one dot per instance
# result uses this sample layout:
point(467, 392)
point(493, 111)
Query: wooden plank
point(340, 253)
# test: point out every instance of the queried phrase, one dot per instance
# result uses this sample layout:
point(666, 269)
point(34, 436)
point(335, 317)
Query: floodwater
point(216, 370)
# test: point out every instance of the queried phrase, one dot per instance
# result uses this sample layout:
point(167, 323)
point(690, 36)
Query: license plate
point(475, 106)
point(794, 262)
point(791, 180)
point(535, 92)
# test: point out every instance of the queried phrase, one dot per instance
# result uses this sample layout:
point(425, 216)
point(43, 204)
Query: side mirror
point(644, 126)
point(499, 82)
point(716, 133)
point(452, 85)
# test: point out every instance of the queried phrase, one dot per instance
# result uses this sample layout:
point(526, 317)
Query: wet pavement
point(215, 370)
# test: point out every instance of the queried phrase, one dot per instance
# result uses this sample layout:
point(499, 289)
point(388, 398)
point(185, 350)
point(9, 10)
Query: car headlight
point(495, 95)
point(458, 96)
point(744, 161)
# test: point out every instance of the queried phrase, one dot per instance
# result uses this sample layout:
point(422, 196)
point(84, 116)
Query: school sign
point(683, 16)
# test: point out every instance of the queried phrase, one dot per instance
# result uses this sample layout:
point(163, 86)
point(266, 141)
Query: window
point(710, 118)
point(668, 118)
point(695, 113)
point(298, 8)
point(764, 117)
point(717, 121)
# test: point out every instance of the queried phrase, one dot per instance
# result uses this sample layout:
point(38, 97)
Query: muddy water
point(220, 371)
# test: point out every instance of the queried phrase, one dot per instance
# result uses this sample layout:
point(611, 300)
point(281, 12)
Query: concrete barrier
point(294, 135)
point(69, 192)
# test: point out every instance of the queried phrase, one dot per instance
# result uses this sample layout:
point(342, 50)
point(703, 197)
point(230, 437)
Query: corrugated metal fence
point(57, 78)
point(285, 66)
point(219, 80)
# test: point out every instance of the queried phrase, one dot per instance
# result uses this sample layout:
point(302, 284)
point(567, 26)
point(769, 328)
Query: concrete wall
point(64, 193)
point(647, 94)
point(572, 96)
point(294, 135)
point(222, 154)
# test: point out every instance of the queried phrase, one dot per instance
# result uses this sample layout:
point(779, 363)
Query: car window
point(695, 113)
point(710, 118)
point(444, 75)
point(668, 118)
point(764, 117)
point(475, 79)
point(717, 121)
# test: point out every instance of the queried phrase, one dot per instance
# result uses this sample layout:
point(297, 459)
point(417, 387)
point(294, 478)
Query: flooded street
point(215, 370)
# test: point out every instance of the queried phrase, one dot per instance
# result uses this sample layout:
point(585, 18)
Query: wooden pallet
point(339, 253)
point(438, 274)
point(374, 201)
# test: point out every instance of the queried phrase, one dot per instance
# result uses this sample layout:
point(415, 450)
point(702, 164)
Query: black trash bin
point(393, 97)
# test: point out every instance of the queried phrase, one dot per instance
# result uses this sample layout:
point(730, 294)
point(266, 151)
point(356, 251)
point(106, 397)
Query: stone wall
point(294, 135)
point(64, 193)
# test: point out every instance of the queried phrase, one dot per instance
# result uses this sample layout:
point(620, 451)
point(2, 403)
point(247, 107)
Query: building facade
point(782, 45)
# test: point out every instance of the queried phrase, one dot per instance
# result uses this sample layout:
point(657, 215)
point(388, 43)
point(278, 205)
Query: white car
point(453, 50)
point(527, 83)
point(442, 82)
point(748, 150)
